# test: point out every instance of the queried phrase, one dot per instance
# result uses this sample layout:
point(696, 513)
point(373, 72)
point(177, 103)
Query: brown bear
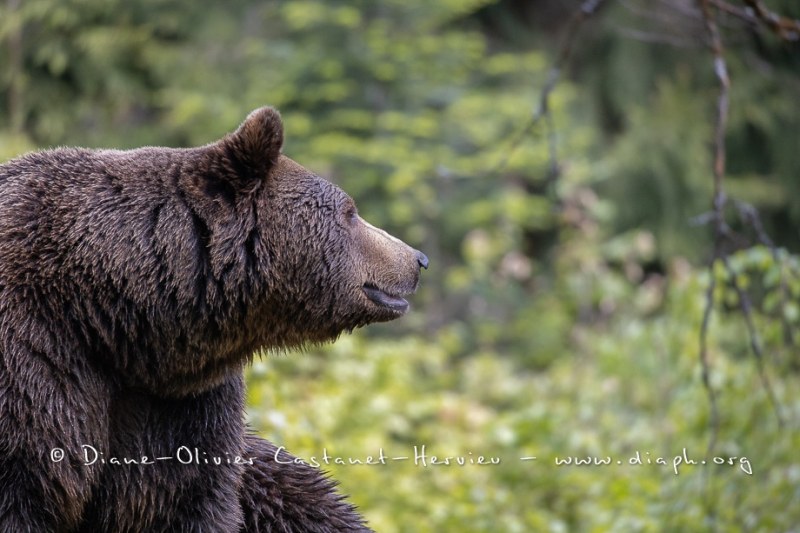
point(134, 288)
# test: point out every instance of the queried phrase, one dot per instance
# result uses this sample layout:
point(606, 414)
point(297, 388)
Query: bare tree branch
point(542, 112)
point(756, 14)
point(723, 235)
point(736, 11)
point(718, 204)
point(752, 333)
point(705, 364)
point(749, 216)
point(786, 28)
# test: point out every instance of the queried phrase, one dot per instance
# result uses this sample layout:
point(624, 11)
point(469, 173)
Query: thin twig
point(720, 228)
point(786, 28)
point(718, 205)
point(587, 10)
point(749, 216)
point(705, 364)
point(755, 343)
point(756, 13)
point(736, 11)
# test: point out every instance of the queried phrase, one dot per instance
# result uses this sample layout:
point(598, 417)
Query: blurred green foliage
point(560, 316)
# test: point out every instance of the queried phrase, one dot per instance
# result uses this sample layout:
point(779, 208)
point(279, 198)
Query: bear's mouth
point(383, 298)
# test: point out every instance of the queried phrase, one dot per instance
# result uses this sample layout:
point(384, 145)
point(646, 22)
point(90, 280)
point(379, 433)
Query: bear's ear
point(255, 147)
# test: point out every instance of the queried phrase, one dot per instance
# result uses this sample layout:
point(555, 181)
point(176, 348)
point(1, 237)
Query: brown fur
point(134, 286)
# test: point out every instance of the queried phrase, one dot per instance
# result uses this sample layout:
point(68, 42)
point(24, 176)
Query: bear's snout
point(391, 273)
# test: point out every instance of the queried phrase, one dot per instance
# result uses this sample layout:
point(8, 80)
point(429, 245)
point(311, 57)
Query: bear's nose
point(422, 259)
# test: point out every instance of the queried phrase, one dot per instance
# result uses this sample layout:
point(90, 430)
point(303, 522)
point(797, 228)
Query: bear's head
point(302, 262)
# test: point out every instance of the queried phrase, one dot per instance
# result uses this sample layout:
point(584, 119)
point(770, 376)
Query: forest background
point(556, 161)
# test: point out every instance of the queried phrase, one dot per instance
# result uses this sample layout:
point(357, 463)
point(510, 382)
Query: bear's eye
point(350, 212)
